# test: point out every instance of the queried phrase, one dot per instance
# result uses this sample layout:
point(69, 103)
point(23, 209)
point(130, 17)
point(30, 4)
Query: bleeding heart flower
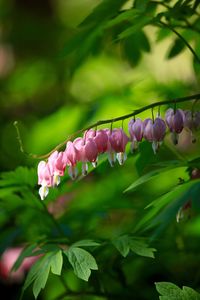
point(70, 158)
point(175, 121)
point(86, 152)
point(136, 128)
point(192, 122)
point(45, 179)
point(57, 166)
point(117, 144)
point(100, 138)
point(154, 132)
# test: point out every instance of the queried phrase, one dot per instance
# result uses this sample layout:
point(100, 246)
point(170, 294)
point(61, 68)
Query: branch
point(110, 121)
point(182, 38)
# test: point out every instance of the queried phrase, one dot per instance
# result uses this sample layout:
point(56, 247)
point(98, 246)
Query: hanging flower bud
point(175, 122)
point(148, 129)
point(86, 152)
point(117, 144)
point(70, 158)
point(57, 166)
point(44, 179)
point(100, 138)
point(136, 128)
point(154, 132)
point(192, 122)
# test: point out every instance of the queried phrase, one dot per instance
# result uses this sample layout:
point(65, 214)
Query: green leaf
point(122, 245)
point(164, 168)
point(56, 263)
point(141, 248)
point(169, 289)
point(28, 251)
point(20, 176)
point(105, 10)
point(85, 243)
point(176, 48)
point(82, 262)
point(126, 243)
point(139, 23)
point(38, 274)
point(189, 293)
point(123, 16)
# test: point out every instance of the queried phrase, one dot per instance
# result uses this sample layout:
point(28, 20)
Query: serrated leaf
point(39, 272)
point(20, 176)
point(126, 243)
point(41, 279)
point(82, 262)
point(122, 245)
point(141, 248)
point(169, 289)
point(175, 49)
point(85, 243)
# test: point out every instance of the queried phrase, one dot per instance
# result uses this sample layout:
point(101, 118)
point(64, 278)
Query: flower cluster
point(86, 149)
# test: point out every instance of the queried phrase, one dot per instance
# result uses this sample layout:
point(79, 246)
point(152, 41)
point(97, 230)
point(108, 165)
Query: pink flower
point(100, 138)
point(70, 158)
point(154, 132)
point(136, 128)
point(7, 261)
point(57, 166)
point(86, 152)
point(44, 179)
point(117, 144)
point(175, 122)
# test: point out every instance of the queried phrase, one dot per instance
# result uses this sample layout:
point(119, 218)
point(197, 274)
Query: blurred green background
point(52, 94)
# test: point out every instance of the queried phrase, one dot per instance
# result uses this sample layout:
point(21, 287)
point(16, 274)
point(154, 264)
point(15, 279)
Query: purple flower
point(154, 132)
point(175, 121)
point(136, 128)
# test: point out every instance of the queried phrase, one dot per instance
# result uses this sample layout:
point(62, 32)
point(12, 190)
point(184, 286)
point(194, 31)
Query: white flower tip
point(56, 180)
point(121, 157)
point(73, 172)
point(43, 191)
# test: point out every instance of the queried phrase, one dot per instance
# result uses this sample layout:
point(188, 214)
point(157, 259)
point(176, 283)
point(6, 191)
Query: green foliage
point(39, 273)
point(125, 244)
point(82, 262)
point(170, 291)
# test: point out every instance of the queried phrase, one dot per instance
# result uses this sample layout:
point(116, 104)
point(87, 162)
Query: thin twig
point(182, 38)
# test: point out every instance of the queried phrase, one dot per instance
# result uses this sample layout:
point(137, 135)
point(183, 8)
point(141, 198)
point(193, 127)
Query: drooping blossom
point(100, 138)
point(57, 166)
point(70, 158)
point(117, 144)
point(154, 131)
point(7, 261)
point(45, 179)
point(136, 128)
point(86, 152)
point(192, 122)
point(175, 121)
